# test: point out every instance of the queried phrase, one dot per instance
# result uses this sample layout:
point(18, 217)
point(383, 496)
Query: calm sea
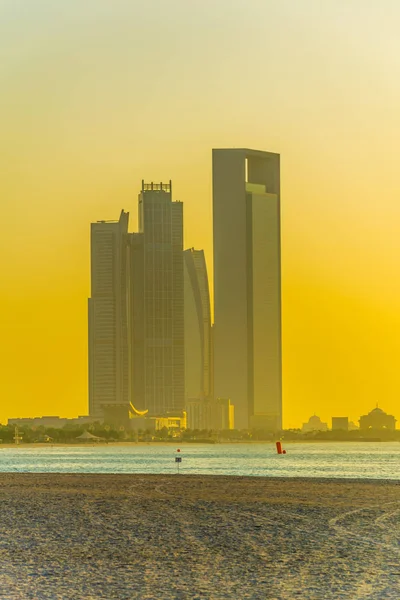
point(339, 460)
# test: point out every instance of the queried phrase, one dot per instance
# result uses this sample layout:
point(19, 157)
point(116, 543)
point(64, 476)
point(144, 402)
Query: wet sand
point(170, 536)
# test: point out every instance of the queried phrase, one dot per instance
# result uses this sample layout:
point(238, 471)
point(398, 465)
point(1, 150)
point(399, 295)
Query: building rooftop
point(157, 187)
point(247, 151)
point(377, 411)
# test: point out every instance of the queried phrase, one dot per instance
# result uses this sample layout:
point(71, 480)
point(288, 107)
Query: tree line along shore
point(105, 433)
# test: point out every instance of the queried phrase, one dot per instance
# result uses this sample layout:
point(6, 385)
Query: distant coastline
point(185, 443)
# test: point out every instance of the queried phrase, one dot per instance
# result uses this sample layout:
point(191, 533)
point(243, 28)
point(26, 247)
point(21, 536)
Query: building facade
point(158, 274)
point(50, 421)
point(108, 318)
point(314, 423)
point(247, 284)
point(136, 321)
point(210, 414)
point(136, 311)
point(152, 424)
point(378, 419)
point(198, 354)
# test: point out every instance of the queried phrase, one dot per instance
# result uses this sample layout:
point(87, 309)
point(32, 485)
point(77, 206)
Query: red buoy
point(279, 447)
point(178, 450)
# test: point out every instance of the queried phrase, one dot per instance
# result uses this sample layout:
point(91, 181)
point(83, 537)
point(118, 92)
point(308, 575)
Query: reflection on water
point(351, 460)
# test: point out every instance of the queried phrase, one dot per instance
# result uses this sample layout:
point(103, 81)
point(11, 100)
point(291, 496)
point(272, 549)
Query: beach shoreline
point(194, 536)
point(180, 443)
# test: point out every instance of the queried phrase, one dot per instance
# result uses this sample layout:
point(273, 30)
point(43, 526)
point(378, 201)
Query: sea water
point(355, 460)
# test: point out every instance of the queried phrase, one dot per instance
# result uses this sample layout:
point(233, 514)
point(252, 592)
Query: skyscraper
point(247, 285)
point(136, 311)
point(108, 318)
point(161, 229)
point(136, 321)
point(198, 354)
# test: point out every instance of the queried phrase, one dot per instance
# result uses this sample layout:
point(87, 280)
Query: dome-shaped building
point(377, 419)
point(314, 424)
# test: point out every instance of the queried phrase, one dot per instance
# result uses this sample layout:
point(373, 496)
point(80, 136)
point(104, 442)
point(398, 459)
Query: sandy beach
point(179, 536)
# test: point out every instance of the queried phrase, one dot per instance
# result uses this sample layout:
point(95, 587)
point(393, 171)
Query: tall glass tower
point(162, 327)
point(247, 285)
point(108, 319)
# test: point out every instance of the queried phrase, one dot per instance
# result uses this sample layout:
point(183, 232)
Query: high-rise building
point(160, 317)
point(136, 321)
point(247, 285)
point(108, 318)
point(198, 355)
point(136, 311)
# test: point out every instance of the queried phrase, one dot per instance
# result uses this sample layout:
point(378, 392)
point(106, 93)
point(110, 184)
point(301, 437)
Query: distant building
point(176, 422)
point(340, 423)
point(212, 377)
point(158, 271)
point(314, 424)
point(352, 426)
point(198, 343)
point(225, 414)
point(378, 419)
point(51, 421)
point(108, 318)
point(199, 413)
point(154, 423)
point(247, 283)
point(204, 413)
point(136, 311)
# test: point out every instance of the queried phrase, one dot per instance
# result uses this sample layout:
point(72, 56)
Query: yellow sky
point(97, 95)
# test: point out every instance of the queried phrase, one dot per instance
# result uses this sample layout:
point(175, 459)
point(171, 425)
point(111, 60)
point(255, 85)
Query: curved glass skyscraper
point(198, 354)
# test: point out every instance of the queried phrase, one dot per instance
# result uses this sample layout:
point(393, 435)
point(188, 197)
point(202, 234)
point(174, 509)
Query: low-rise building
point(314, 423)
point(199, 413)
point(50, 421)
point(154, 423)
point(216, 415)
point(378, 419)
point(264, 422)
point(340, 423)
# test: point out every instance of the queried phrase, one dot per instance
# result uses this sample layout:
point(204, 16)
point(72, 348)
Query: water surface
point(339, 460)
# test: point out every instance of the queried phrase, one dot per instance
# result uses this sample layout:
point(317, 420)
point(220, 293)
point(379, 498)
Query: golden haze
point(95, 98)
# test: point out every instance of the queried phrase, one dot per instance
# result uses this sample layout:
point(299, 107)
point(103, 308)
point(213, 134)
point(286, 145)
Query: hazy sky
point(96, 95)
